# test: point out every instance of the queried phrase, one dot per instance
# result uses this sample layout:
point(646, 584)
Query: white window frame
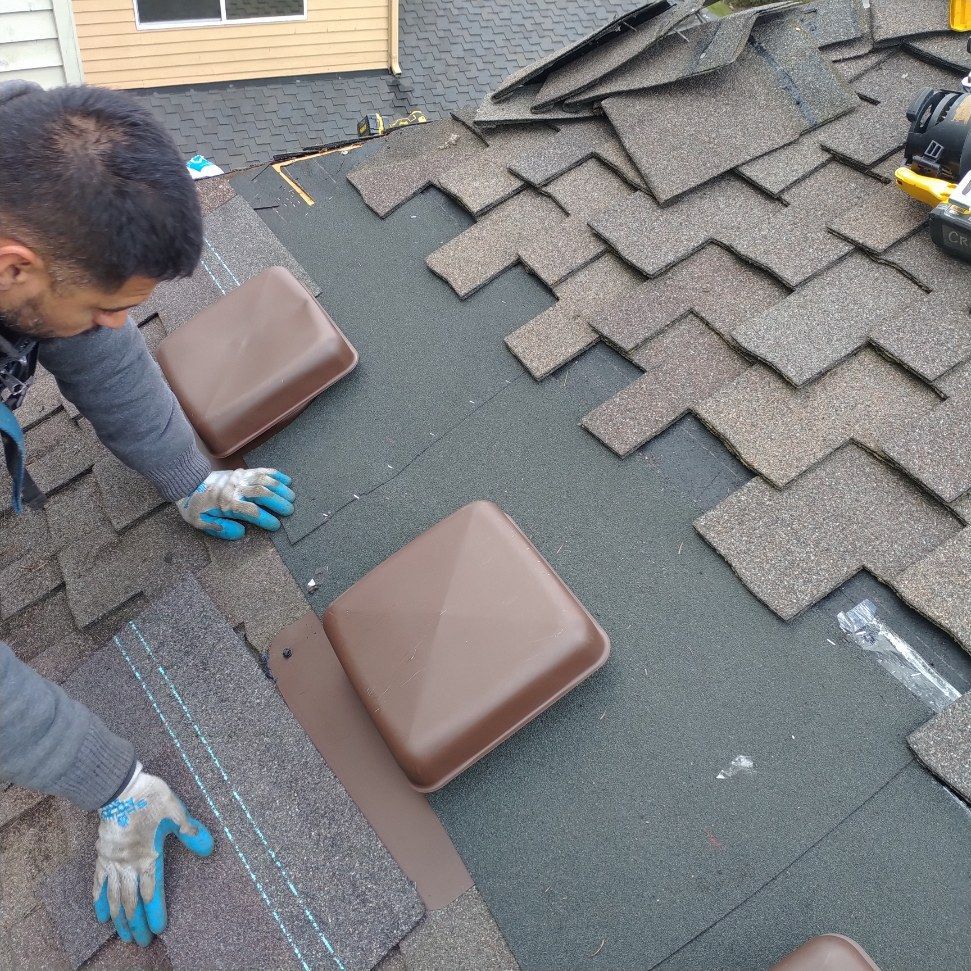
point(223, 20)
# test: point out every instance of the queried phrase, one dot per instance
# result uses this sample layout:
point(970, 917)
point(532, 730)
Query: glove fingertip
point(101, 909)
point(201, 843)
point(281, 477)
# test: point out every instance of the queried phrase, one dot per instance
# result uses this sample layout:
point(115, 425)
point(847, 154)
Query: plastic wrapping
point(863, 628)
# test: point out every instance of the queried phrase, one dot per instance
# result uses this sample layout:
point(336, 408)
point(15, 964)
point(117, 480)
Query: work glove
point(128, 876)
point(227, 500)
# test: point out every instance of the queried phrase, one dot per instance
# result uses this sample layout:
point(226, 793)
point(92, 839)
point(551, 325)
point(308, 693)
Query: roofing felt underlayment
point(628, 763)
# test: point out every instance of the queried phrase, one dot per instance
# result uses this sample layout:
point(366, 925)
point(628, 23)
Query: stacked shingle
point(711, 196)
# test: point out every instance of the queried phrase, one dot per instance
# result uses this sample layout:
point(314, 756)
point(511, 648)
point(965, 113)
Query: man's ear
point(19, 265)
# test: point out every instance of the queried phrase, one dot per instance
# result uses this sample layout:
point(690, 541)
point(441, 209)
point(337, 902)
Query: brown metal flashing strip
point(317, 691)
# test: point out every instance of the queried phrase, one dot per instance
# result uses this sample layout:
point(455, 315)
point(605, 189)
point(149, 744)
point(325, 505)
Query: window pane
point(162, 11)
point(244, 9)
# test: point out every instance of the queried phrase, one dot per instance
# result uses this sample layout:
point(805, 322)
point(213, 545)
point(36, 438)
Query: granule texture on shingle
point(560, 152)
point(930, 336)
point(59, 450)
point(318, 883)
point(682, 54)
point(935, 448)
point(654, 238)
point(868, 135)
point(779, 88)
point(776, 171)
point(825, 320)
point(834, 21)
point(559, 334)
point(684, 365)
point(893, 19)
point(42, 400)
point(612, 54)
point(944, 744)
point(852, 67)
point(538, 69)
point(852, 511)
point(491, 246)
point(127, 496)
point(461, 937)
point(880, 223)
point(720, 288)
point(780, 431)
point(948, 50)
point(957, 382)
point(517, 108)
point(793, 243)
point(922, 260)
point(484, 180)
point(556, 251)
point(410, 158)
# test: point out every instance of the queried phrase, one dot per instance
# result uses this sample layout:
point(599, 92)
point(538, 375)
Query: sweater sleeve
point(53, 744)
point(110, 377)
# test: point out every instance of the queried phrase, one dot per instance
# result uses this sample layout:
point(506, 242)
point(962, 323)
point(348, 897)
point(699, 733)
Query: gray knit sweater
point(48, 742)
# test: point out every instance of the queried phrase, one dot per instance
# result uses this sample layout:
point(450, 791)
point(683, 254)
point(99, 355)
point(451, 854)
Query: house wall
point(37, 42)
point(338, 35)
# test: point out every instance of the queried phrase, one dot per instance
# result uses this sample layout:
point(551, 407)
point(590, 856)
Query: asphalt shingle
point(780, 431)
point(893, 19)
point(944, 746)
point(685, 364)
point(852, 511)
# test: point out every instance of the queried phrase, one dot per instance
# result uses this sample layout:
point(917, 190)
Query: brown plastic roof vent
point(252, 361)
point(829, 952)
point(459, 640)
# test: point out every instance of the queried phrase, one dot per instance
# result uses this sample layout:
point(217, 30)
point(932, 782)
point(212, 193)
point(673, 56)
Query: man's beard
point(27, 320)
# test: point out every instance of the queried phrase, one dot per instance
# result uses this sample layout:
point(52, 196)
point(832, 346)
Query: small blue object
point(13, 448)
point(121, 810)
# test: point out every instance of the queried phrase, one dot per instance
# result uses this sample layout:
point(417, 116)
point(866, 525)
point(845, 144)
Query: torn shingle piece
point(517, 108)
point(792, 243)
point(879, 223)
point(717, 286)
point(934, 448)
point(682, 54)
point(780, 169)
point(685, 364)
point(779, 88)
point(460, 936)
point(825, 320)
point(556, 251)
point(930, 336)
point(559, 334)
point(409, 160)
point(560, 152)
point(943, 745)
point(893, 19)
point(653, 239)
point(491, 246)
point(536, 70)
point(868, 135)
point(780, 431)
point(584, 72)
point(834, 21)
point(793, 547)
point(483, 181)
point(949, 50)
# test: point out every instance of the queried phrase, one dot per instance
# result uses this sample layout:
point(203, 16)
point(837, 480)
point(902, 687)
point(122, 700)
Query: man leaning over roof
point(96, 207)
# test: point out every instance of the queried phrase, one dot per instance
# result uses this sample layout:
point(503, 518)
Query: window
point(170, 13)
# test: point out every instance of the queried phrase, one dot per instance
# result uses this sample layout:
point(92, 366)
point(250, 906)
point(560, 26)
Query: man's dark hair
point(90, 180)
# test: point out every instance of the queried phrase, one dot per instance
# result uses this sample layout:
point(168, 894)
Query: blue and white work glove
point(227, 500)
point(128, 876)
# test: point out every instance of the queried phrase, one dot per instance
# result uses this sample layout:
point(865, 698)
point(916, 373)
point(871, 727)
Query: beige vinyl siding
point(338, 35)
point(29, 48)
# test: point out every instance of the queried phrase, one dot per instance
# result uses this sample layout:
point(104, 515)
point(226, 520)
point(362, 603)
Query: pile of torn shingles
point(712, 197)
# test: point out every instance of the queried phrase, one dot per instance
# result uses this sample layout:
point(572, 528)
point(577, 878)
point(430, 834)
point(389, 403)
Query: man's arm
point(110, 377)
point(53, 744)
